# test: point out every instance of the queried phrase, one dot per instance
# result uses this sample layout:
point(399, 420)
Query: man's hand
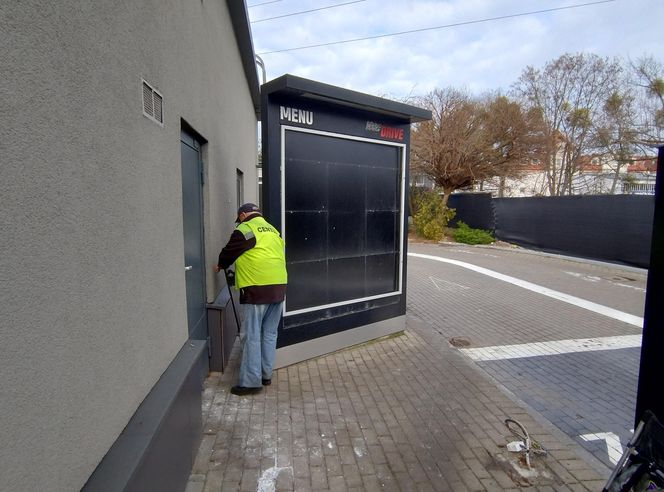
point(216, 268)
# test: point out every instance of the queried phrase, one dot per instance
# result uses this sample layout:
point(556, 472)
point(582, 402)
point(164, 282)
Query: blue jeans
point(259, 343)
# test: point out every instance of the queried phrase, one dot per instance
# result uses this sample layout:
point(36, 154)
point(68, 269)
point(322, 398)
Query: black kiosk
point(335, 177)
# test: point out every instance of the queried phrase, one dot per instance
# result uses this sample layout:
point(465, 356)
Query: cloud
point(480, 57)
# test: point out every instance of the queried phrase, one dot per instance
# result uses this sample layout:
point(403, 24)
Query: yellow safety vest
point(265, 263)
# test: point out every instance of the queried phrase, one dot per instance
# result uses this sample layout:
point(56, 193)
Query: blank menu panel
point(343, 217)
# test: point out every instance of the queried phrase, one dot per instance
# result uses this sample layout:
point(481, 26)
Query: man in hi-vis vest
point(257, 250)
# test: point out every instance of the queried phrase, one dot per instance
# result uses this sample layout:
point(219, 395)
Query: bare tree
point(569, 93)
point(632, 117)
point(444, 147)
point(616, 132)
point(468, 140)
point(513, 138)
point(650, 78)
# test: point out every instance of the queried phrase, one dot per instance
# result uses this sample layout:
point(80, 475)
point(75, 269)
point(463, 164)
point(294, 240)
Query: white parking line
point(588, 278)
point(640, 289)
point(613, 446)
point(576, 301)
point(555, 347)
point(445, 283)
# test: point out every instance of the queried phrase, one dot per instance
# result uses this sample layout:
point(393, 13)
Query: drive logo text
point(385, 131)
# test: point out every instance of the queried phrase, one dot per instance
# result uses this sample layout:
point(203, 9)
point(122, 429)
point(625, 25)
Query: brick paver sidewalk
point(401, 413)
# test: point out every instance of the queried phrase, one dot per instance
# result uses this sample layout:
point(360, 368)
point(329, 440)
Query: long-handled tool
point(230, 293)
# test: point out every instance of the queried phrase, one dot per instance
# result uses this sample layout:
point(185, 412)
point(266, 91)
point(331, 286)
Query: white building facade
point(595, 177)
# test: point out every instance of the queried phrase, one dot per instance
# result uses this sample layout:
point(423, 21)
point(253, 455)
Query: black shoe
point(243, 390)
point(267, 382)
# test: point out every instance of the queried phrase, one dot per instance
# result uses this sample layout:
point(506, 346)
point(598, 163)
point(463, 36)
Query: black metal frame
point(340, 112)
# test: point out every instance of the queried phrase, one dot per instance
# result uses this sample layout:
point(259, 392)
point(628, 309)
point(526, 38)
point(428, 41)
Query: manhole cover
point(459, 342)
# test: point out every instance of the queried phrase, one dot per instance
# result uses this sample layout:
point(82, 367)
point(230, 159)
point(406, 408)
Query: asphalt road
point(563, 335)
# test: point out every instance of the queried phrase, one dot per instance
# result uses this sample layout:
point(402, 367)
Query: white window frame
point(399, 291)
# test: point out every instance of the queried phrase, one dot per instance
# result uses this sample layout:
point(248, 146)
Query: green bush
point(431, 217)
point(432, 230)
point(467, 235)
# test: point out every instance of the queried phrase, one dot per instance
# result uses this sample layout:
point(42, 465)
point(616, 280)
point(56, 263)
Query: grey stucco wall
point(92, 298)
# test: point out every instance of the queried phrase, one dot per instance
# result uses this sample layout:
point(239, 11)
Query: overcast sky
point(479, 56)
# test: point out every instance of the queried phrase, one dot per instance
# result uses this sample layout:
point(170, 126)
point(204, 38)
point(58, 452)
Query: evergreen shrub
point(465, 234)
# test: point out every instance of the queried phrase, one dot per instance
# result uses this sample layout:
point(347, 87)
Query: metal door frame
point(199, 142)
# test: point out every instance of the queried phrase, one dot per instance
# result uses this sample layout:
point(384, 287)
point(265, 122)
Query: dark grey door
point(192, 217)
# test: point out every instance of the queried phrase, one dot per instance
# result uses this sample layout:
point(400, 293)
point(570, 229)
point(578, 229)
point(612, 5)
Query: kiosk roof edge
point(291, 84)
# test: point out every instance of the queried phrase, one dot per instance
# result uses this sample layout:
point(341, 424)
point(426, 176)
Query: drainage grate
point(152, 104)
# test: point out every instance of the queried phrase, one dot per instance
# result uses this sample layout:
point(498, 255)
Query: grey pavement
point(411, 412)
point(582, 393)
point(589, 394)
point(623, 287)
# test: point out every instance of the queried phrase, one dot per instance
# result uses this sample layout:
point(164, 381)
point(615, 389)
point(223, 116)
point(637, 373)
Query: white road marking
point(472, 253)
point(439, 281)
point(555, 347)
point(589, 278)
point(561, 296)
point(613, 445)
point(640, 289)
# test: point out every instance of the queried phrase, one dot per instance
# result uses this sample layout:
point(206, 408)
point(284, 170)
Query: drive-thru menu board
point(335, 181)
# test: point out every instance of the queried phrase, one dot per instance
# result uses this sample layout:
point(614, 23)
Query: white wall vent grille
point(152, 104)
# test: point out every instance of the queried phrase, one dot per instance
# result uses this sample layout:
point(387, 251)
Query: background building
point(596, 175)
point(129, 132)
